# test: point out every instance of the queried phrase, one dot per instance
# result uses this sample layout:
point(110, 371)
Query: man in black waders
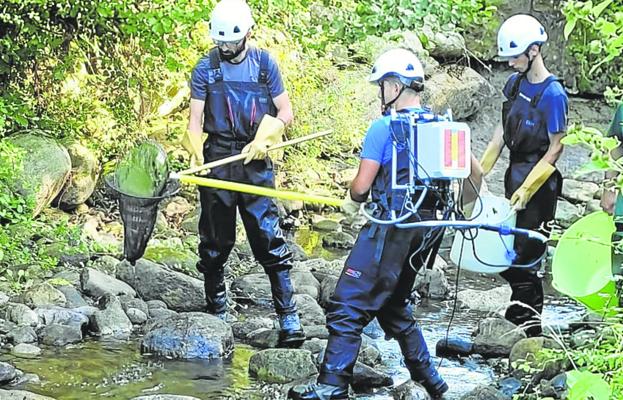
point(379, 274)
point(534, 119)
point(238, 99)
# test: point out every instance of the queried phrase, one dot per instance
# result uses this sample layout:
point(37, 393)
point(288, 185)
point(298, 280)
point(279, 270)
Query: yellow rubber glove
point(268, 134)
point(193, 144)
point(489, 157)
point(349, 206)
point(535, 179)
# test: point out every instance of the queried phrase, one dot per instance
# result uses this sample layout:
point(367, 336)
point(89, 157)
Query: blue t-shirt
point(247, 70)
point(377, 144)
point(553, 102)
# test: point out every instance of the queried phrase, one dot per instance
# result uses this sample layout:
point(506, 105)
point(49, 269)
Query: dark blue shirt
point(616, 126)
point(553, 102)
point(377, 145)
point(246, 71)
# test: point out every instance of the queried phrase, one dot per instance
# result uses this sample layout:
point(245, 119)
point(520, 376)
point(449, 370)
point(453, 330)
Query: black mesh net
point(139, 217)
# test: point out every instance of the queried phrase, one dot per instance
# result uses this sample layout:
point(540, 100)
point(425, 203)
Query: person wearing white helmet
point(379, 273)
point(534, 120)
point(239, 100)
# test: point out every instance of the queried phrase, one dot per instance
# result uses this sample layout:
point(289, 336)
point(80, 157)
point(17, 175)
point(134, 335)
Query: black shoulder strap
point(263, 76)
point(548, 81)
point(512, 95)
point(215, 63)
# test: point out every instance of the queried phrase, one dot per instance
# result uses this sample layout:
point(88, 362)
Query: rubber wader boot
point(418, 362)
point(318, 391)
point(291, 333)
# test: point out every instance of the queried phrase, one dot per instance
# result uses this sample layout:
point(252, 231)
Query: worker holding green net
point(238, 99)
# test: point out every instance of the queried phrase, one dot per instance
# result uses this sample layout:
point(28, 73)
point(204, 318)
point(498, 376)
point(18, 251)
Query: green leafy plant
point(595, 34)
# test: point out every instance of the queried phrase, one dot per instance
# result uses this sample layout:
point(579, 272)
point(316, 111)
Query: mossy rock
point(281, 365)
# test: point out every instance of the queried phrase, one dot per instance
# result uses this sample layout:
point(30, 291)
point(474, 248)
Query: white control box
point(443, 150)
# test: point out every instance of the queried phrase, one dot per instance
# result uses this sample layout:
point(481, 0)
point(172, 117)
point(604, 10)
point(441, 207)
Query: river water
point(113, 369)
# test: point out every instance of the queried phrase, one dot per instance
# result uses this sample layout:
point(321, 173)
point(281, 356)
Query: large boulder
point(496, 337)
point(188, 336)
point(180, 292)
point(96, 284)
point(110, 319)
point(460, 88)
point(44, 171)
point(83, 178)
point(42, 295)
point(281, 365)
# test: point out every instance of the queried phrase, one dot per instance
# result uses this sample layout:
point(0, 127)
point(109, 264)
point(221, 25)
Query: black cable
point(454, 303)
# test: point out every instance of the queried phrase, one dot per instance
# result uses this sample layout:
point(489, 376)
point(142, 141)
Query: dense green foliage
point(595, 33)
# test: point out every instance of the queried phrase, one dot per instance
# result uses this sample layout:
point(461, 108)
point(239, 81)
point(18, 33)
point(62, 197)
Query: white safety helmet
point(518, 33)
point(230, 20)
point(400, 63)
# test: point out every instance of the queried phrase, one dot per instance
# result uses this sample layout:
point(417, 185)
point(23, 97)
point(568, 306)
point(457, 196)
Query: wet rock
point(327, 287)
point(110, 319)
point(315, 346)
point(338, 240)
point(43, 294)
point(526, 350)
point(496, 337)
point(578, 191)
point(161, 313)
point(189, 336)
point(165, 397)
point(410, 390)
point(59, 335)
point(155, 305)
point(6, 327)
point(96, 284)
point(139, 304)
point(183, 293)
point(316, 331)
point(4, 299)
point(25, 350)
point(177, 207)
point(105, 264)
point(366, 377)
point(254, 288)
point(374, 329)
point(281, 365)
point(460, 88)
point(492, 301)
point(309, 310)
point(555, 388)
point(264, 338)
point(592, 206)
point(368, 353)
point(71, 276)
point(87, 311)
point(567, 213)
point(174, 256)
point(304, 282)
point(21, 314)
point(484, 393)
point(509, 386)
point(61, 316)
point(72, 296)
point(454, 347)
point(242, 328)
point(432, 283)
point(136, 316)
point(582, 337)
point(325, 224)
point(83, 177)
point(7, 372)
point(22, 334)
point(21, 395)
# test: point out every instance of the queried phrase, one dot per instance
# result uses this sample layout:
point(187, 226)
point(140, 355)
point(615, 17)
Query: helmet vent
point(221, 33)
point(236, 29)
point(542, 31)
point(513, 45)
point(410, 67)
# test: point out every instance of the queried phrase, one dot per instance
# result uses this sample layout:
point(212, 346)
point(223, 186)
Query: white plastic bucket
point(488, 252)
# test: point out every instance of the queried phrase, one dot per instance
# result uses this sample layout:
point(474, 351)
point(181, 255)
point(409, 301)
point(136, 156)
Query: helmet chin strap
point(228, 57)
point(385, 107)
